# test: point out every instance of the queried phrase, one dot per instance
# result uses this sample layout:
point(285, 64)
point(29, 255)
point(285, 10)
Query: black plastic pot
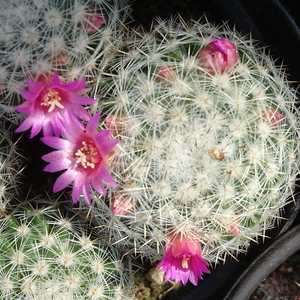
point(272, 23)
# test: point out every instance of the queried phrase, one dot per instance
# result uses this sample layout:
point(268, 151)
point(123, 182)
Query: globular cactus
point(208, 146)
point(38, 38)
point(47, 254)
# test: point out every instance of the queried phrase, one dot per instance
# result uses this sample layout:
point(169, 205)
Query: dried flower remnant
point(49, 101)
point(183, 260)
point(84, 155)
point(218, 56)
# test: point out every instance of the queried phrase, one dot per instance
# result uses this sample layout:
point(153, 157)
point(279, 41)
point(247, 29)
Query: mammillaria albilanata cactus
point(208, 148)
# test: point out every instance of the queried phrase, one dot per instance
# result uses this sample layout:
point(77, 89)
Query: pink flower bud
point(122, 205)
point(218, 56)
point(165, 74)
point(234, 227)
point(114, 124)
point(272, 116)
point(94, 21)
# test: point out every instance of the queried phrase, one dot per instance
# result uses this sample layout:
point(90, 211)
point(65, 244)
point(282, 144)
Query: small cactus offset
point(208, 147)
point(47, 255)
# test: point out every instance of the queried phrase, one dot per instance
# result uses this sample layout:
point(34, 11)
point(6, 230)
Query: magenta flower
point(183, 260)
point(220, 55)
point(48, 102)
point(84, 154)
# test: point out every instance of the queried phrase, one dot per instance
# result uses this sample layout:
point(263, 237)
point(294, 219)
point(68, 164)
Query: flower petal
point(86, 192)
point(104, 175)
point(75, 86)
point(27, 123)
point(98, 185)
point(77, 187)
point(57, 165)
point(93, 123)
point(57, 143)
point(77, 99)
point(54, 155)
point(107, 145)
point(64, 180)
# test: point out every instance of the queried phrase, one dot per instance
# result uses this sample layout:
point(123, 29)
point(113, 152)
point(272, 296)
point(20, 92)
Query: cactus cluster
point(181, 143)
point(46, 254)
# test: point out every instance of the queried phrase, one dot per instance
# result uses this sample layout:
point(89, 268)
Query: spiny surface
point(200, 153)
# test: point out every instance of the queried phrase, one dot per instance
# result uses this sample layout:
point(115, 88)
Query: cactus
point(203, 151)
point(206, 151)
point(47, 254)
point(42, 37)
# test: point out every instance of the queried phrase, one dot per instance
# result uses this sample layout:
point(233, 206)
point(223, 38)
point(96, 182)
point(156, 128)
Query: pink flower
point(49, 101)
point(218, 56)
point(94, 21)
point(84, 154)
point(183, 260)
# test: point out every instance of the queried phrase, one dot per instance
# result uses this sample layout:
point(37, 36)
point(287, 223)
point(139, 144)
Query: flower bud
point(122, 205)
point(94, 21)
point(272, 116)
point(114, 124)
point(164, 74)
point(61, 59)
point(218, 56)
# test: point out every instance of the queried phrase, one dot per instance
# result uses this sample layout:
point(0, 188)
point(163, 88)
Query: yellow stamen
point(88, 155)
point(51, 98)
point(185, 261)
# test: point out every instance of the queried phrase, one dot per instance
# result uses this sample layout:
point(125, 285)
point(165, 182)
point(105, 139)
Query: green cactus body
point(199, 153)
point(44, 255)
